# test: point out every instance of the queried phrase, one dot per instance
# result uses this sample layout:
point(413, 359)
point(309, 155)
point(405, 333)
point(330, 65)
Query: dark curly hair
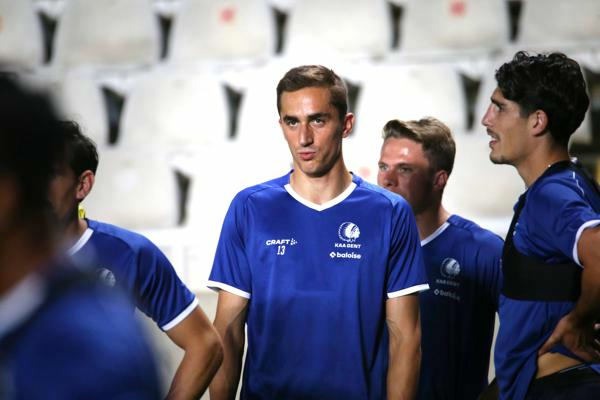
point(80, 151)
point(550, 82)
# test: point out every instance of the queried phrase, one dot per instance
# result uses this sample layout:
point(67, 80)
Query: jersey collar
point(81, 241)
point(435, 234)
point(321, 207)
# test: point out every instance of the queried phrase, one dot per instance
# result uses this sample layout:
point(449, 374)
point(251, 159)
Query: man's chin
point(498, 160)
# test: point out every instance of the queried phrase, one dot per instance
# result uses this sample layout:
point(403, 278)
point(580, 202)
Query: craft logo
point(450, 268)
point(281, 242)
point(348, 232)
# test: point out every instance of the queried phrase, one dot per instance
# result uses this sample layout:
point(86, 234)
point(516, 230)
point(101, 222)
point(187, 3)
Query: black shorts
point(575, 383)
point(579, 382)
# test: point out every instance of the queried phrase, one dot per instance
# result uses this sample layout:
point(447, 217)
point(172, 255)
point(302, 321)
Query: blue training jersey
point(463, 263)
point(133, 262)
point(317, 278)
point(558, 207)
point(71, 338)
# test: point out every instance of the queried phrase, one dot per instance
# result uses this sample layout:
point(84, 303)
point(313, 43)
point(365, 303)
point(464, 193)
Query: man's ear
point(85, 184)
point(440, 178)
point(348, 123)
point(538, 121)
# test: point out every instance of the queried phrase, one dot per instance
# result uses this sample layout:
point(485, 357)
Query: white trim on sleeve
point(589, 224)
point(409, 290)
point(182, 315)
point(219, 285)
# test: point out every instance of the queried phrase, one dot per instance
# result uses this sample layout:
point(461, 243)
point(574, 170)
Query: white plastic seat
point(107, 33)
point(454, 25)
point(352, 29)
point(20, 35)
point(409, 92)
point(222, 31)
point(80, 99)
point(134, 189)
point(175, 110)
point(556, 24)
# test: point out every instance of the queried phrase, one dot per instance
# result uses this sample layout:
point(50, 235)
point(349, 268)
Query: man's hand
point(577, 336)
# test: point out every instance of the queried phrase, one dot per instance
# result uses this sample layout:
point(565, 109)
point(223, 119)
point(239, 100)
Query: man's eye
point(383, 168)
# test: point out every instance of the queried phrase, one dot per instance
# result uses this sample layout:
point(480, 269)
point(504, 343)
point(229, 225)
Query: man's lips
point(493, 138)
point(306, 155)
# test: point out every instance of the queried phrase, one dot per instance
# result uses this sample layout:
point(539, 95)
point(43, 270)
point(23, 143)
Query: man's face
point(404, 169)
point(63, 194)
point(509, 142)
point(313, 130)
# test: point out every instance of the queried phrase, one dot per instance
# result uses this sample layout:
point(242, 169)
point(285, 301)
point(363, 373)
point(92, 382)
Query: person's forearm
point(224, 384)
point(197, 368)
point(587, 308)
point(403, 370)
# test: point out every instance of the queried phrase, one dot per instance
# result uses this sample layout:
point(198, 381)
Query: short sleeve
point(231, 270)
point(406, 269)
point(161, 294)
point(489, 266)
point(573, 214)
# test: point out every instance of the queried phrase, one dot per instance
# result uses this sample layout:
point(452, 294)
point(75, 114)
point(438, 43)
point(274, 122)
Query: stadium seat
point(110, 33)
point(80, 99)
point(208, 31)
point(410, 92)
point(134, 188)
point(176, 111)
point(557, 24)
point(21, 41)
point(454, 25)
point(352, 29)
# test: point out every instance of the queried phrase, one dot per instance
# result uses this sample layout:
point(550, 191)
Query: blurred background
point(179, 96)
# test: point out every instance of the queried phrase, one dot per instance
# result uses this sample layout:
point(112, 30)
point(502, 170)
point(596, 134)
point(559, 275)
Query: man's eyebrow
point(314, 116)
point(496, 101)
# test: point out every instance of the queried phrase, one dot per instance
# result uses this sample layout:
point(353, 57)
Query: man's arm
point(203, 355)
point(576, 329)
point(229, 322)
point(404, 327)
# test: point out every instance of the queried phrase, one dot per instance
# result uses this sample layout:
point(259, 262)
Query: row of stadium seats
point(178, 109)
point(128, 32)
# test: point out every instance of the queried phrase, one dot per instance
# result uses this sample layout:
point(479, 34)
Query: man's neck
point(75, 229)
point(321, 189)
point(430, 220)
point(538, 162)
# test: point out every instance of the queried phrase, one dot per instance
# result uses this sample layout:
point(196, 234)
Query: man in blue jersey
point(62, 335)
point(135, 264)
point(550, 298)
point(461, 258)
point(323, 268)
